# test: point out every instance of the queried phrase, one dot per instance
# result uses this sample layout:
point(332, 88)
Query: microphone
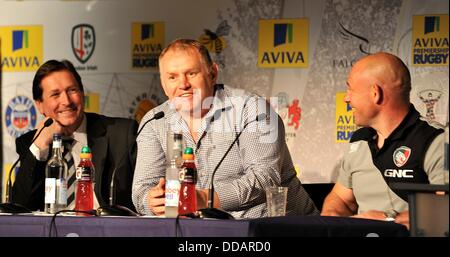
point(113, 209)
point(9, 206)
point(157, 116)
point(212, 212)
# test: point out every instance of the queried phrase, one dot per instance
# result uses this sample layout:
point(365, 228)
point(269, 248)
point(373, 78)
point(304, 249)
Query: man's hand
point(403, 218)
point(374, 215)
point(46, 136)
point(156, 198)
point(202, 199)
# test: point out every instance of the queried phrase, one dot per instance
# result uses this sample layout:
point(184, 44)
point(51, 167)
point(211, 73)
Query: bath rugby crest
point(20, 116)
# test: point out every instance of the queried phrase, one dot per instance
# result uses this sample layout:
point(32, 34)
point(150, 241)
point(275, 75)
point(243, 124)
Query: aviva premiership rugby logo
point(401, 155)
point(20, 116)
point(83, 42)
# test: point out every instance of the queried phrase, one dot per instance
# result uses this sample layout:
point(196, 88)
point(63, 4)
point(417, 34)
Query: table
point(311, 226)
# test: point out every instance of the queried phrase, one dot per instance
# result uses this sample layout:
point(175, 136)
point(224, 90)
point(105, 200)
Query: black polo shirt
point(402, 156)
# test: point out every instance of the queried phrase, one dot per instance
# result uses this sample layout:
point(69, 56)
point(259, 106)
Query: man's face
point(62, 99)
point(358, 96)
point(187, 81)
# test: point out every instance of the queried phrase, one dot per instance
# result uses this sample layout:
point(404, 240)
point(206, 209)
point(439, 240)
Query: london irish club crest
point(83, 42)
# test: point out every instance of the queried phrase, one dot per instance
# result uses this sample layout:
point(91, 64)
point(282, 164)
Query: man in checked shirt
point(210, 117)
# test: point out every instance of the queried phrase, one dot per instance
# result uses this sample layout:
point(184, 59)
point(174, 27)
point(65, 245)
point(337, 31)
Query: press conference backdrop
point(295, 52)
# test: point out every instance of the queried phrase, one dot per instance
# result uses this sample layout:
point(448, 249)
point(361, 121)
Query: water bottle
point(56, 179)
point(84, 190)
point(188, 178)
point(174, 149)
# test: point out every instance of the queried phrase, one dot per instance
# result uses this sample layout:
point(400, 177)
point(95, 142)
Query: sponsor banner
point(430, 40)
point(290, 112)
point(83, 42)
point(20, 116)
point(142, 104)
point(345, 122)
point(147, 42)
point(215, 41)
point(6, 169)
point(21, 47)
point(430, 98)
point(92, 102)
point(283, 43)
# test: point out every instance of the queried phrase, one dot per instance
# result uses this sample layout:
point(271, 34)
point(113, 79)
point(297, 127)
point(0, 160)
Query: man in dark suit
point(58, 94)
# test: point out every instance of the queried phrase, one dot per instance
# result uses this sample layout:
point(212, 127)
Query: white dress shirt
point(80, 140)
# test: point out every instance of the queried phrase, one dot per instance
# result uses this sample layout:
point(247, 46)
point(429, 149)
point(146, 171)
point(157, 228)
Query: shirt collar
point(219, 104)
point(409, 120)
point(80, 134)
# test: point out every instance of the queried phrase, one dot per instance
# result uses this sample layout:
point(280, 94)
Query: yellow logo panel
point(147, 42)
point(283, 43)
point(6, 169)
point(430, 40)
point(21, 48)
point(92, 102)
point(345, 123)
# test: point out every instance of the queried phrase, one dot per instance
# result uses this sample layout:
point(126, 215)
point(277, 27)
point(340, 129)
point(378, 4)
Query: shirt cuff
point(40, 155)
point(228, 197)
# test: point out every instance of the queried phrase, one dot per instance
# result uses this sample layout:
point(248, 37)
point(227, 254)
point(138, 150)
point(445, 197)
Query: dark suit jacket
point(113, 145)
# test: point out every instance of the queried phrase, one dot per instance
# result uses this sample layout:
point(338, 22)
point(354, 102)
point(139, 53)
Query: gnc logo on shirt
point(401, 155)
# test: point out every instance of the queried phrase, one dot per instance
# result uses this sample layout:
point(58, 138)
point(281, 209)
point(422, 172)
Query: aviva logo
point(282, 33)
point(21, 48)
point(345, 121)
point(432, 24)
point(147, 42)
point(20, 39)
point(430, 40)
point(283, 43)
point(147, 31)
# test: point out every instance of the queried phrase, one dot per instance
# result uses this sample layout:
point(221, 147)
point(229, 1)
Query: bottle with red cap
point(84, 196)
point(188, 178)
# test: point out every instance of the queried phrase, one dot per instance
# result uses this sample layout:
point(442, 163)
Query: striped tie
point(70, 174)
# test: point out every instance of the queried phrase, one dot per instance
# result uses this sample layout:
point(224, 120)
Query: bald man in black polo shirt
point(395, 144)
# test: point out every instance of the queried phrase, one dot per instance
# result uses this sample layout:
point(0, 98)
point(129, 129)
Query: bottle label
point(172, 192)
point(50, 190)
point(188, 175)
point(56, 144)
point(83, 173)
point(177, 145)
point(61, 185)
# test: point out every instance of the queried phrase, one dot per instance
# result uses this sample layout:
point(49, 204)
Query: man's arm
point(340, 202)
point(150, 166)
point(258, 160)
point(434, 160)
point(28, 187)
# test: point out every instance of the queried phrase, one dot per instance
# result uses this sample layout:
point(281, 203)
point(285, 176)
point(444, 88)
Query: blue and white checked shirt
point(260, 158)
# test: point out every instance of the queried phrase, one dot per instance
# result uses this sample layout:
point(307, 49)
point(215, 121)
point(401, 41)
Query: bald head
point(388, 71)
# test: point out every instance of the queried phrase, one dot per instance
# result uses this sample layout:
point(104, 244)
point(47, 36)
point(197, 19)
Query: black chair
point(318, 192)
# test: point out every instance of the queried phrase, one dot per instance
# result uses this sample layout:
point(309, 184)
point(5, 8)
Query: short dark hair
point(49, 67)
point(183, 43)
